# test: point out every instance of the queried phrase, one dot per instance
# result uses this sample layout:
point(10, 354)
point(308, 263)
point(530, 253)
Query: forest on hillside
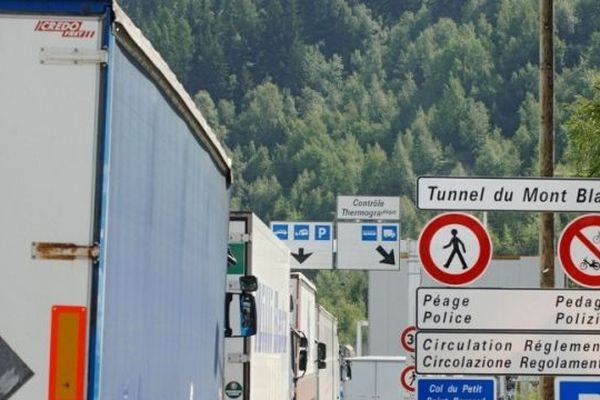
point(324, 97)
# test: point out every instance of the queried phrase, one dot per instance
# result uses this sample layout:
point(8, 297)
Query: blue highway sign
point(577, 388)
point(456, 388)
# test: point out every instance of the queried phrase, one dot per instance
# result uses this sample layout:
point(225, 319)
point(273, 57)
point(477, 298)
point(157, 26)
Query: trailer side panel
point(166, 239)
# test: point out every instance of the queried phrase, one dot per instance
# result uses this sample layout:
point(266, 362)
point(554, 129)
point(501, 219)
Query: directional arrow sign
point(311, 243)
point(301, 257)
point(368, 246)
point(388, 258)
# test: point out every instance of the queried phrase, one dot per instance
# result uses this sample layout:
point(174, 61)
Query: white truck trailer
point(328, 379)
point(258, 367)
point(314, 343)
point(373, 378)
point(113, 214)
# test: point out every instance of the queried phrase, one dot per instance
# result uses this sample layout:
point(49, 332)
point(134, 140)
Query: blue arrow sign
point(456, 389)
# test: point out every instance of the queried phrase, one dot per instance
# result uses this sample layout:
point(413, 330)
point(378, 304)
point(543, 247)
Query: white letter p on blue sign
point(322, 232)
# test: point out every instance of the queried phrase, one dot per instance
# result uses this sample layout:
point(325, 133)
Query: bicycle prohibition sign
point(579, 250)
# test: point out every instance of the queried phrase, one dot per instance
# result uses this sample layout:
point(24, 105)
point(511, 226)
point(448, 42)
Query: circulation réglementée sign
point(508, 309)
point(508, 194)
point(508, 353)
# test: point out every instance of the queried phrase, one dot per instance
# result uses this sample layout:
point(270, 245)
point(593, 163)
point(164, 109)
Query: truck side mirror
point(321, 364)
point(246, 309)
point(302, 360)
point(321, 351)
point(248, 283)
point(303, 342)
point(248, 315)
point(345, 371)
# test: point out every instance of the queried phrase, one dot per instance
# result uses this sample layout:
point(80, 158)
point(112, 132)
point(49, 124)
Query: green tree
point(173, 36)
point(262, 194)
point(516, 35)
point(344, 294)
point(460, 122)
point(263, 118)
point(583, 128)
point(282, 50)
point(426, 152)
point(526, 139)
point(209, 110)
point(375, 171)
point(497, 157)
point(402, 179)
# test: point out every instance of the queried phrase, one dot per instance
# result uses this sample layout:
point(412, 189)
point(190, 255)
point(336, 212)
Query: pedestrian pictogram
point(456, 244)
point(408, 378)
point(579, 250)
point(455, 248)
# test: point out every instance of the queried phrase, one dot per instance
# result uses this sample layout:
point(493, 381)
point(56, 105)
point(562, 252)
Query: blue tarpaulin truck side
point(113, 214)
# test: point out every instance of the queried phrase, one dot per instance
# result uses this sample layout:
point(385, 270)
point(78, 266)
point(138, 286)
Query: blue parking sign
point(322, 232)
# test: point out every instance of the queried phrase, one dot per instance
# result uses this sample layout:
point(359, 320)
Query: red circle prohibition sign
point(425, 251)
point(408, 377)
point(573, 231)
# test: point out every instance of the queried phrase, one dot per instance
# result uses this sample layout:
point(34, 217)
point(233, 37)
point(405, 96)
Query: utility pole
point(546, 157)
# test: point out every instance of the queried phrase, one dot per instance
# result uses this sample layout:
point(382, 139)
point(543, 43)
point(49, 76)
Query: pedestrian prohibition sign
point(579, 250)
point(455, 248)
point(408, 378)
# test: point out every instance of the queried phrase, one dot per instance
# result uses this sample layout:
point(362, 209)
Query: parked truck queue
point(125, 274)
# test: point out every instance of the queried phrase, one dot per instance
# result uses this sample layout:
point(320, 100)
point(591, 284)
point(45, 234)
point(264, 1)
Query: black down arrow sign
point(388, 258)
point(301, 257)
